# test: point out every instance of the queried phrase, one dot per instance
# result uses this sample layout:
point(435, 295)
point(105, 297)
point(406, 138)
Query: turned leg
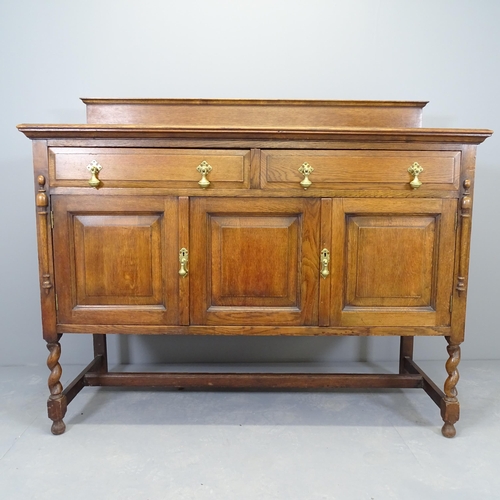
point(56, 404)
point(450, 407)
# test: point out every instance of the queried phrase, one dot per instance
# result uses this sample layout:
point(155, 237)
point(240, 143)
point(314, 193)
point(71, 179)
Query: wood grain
point(287, 381)
point(361, 169)
point(401, 271)
point(354, 134)
point(120, 258)
point(254, 261)
point(236, 112)
point(399, 257)
point(140, 166)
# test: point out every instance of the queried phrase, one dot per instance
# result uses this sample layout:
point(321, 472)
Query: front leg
point(56, 404)
point(450, 407)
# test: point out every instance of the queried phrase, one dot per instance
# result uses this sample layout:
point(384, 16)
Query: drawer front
point(124, 167)
point(360, 169)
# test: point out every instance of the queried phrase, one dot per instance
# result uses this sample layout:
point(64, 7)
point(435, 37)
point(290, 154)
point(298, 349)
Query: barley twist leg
point(450, 407)
point(56, 404)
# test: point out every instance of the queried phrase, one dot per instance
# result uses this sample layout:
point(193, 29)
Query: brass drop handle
point(94, 168)
point(204, 168)
point(415, 170)
point(306, 170)
point(325, 261)
point(183, 259)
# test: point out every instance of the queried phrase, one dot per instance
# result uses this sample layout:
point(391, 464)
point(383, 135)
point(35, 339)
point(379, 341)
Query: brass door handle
point(183, 259)
point(204, 168)
point(415, 170)
point(94, 168)
point(325, 261)
point(306, 170)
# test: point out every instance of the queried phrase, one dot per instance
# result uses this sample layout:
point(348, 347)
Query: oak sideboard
point(253, 217)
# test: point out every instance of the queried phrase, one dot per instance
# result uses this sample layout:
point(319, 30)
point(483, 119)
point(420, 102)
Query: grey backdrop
point(53, 52)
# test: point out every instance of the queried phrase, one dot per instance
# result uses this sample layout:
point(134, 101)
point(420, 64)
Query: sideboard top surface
point(346, 134)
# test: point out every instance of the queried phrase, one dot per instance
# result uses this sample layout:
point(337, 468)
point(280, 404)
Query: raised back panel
point(254, 113)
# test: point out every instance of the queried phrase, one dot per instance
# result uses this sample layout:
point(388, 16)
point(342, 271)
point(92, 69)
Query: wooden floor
point(343, 444)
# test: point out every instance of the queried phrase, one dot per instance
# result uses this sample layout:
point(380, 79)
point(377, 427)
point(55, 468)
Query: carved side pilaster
point(56, 404)
point(465, 215)
point(42, 203)
point(450, 407)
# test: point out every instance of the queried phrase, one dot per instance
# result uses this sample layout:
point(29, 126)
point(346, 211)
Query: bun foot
point(448, 430)
point(58, 427)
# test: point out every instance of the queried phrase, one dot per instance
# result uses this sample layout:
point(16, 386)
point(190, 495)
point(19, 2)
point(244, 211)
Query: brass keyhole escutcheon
point(183, 259)
point(415, 170)
point(94, 168)
point(325, 261)
point(306, 170)
point(204, 169)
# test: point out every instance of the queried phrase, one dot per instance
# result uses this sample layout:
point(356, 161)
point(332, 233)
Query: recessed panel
point(390, 261)
point(255, 260)
point(118, 259)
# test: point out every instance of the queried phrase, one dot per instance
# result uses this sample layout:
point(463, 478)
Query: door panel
point(254, 269)
point(254, 262)
point(390, 260)
point(117, 259)
point(393, 262)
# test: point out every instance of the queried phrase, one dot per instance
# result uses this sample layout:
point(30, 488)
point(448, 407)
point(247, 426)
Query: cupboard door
point(392, 262)
point(116, 259)
point(254, 261)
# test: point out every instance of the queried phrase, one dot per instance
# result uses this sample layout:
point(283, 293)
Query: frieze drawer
point(345, 169)
point(130, 167)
